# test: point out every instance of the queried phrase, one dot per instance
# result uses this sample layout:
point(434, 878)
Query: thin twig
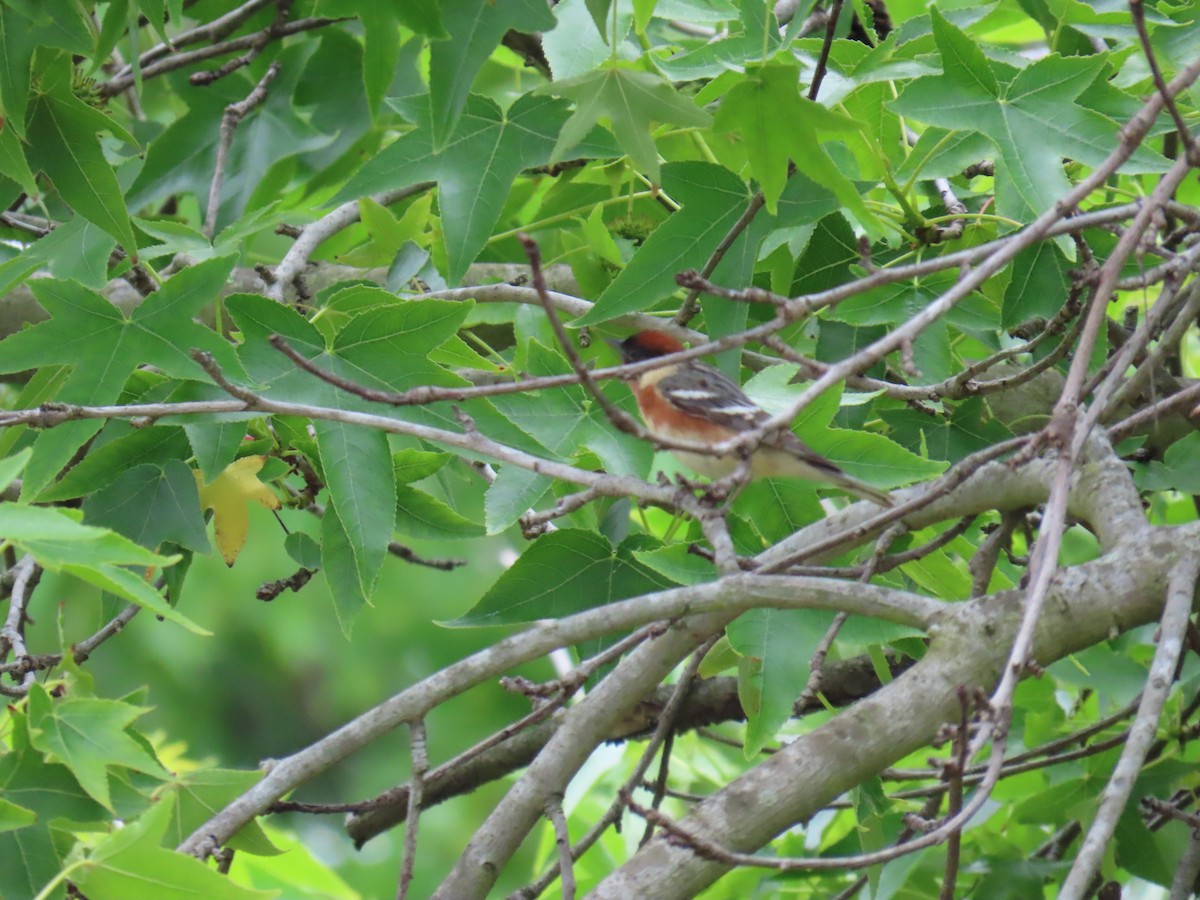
point(234, 113)
point(983, 563)
point(616, 808)
point(420, 763)
point(1138, 11)
point(1187, 869)
point(664, 732)
point(891, 560)
point(182, 60)
point(12, 634)
point(954, 230)
point(835, 13)
point(817, 664)
point(406, 553)
point(562, 838)
point(396, 799)
point(536, 523)
point(264, 37)
point(616, 415)
point(954, 771)
point(1146, 417)
point(785, 558)
point(312, 235)
point(209, 31)
point(1181, 589)
point(690, 305)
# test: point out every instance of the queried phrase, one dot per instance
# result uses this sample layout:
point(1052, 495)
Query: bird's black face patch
point(632, 351)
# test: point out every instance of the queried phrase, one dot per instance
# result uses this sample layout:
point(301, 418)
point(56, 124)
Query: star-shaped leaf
point(64, 129)
point(631, 101)
point(202, 793)
point(131, 862)
point(776, 125)
point(104, 345)
point(151, 504)
point(51, 792)
point(87, 735)
point(1030, 115)
point(475, 27)
point(474, 169)
point(227, 497)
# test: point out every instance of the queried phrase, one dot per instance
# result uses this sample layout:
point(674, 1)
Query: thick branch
point(1085, 604)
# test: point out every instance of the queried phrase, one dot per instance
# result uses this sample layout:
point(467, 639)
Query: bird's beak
point(614, 343)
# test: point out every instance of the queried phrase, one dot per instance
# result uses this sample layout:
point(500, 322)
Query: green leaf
point(579, 42)
point(63, 128)
point(96, 555)
point(88, 736)
point(1178, 471)
point(1031, 116)
point(777, 126)
point(17, 43)
point(215, 445)
point(52, 793)
point(181, 157)
point(76, 249)
point(362, 489)
point(12, 156)
point(413, 465)
point(13, 817)
point(475, 28)
point(713, 199)
point(104, 464)
point(381, 49)
point(873, 457)
point(514, 491)
point(939, 153)
point(385, 347)
point(566, 421)
point(389, 234)
point(1040, 282)
point(423, 17)
point(393, 341)
point(775, 388)
point(826, 261)
point(779, 507)
point(129, 863)
point(782, 641)
point(201, 794)
point(303, 549)
point(104, 346)
point(631, 101)
point(150, 504)
point(677, 563)
point(598, 10)
point(421, 515)
point(11, 467)
point(561, 573)
point(342, 572)
point(474, 170)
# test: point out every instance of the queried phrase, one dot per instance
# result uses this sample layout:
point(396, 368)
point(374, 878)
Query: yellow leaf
point(227, 497)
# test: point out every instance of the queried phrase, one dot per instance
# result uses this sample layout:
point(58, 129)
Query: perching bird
point(691, 401)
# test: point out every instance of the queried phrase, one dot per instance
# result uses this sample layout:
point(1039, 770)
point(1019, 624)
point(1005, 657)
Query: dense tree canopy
point(306, 301)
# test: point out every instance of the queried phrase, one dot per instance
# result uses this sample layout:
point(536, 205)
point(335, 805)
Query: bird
point(691, 401)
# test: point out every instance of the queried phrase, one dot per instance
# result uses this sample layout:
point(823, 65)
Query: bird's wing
point(703, 391)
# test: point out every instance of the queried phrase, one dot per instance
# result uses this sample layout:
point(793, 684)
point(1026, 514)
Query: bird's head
point(646, 345)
